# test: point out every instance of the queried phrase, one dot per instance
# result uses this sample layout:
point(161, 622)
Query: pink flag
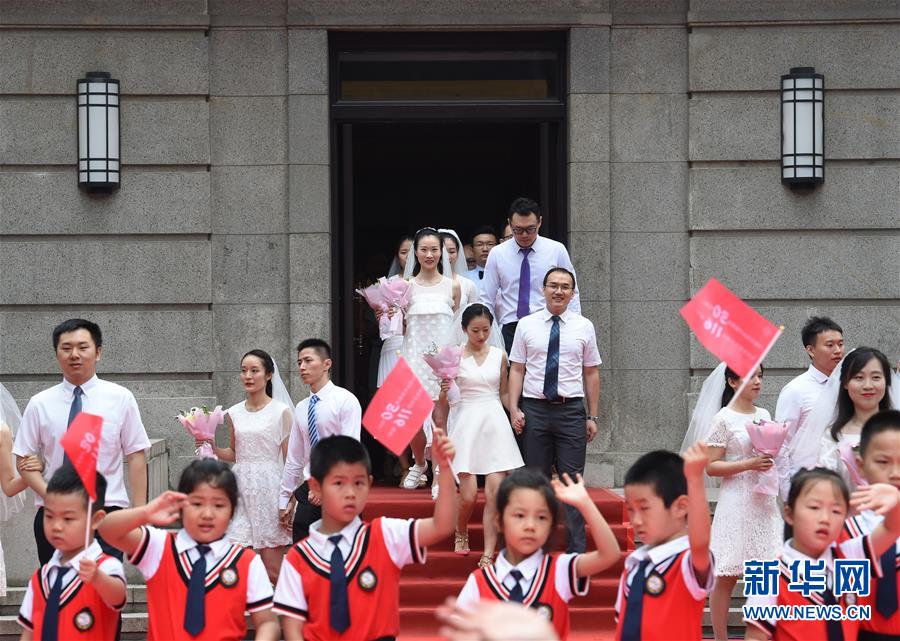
point(81, 443)
point(729, 328)
point(398, 409)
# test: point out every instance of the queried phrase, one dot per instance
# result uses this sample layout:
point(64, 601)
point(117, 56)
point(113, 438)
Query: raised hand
point(570, 492)
point(442, 449)
point(695, 459)
point(165, 508)
point(87, 570)
point(880, 498)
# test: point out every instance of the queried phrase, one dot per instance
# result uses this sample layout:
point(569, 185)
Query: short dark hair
point(474, 311)
point(337, 449)
point(65, 480)
point(322, 348)
point(74, 324)
point(803, 478)
point(524, 206)
point(529, 478)
point(661, 470)
point(815, 326)
point(212, 472)
point(881, 422)
point(268, 365)
point(484, 229)
point(563, 270)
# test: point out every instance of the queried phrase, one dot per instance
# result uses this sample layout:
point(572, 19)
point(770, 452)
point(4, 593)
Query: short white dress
point(477, 424)
point(258, 437)
point(428, 317)
point(747, 525)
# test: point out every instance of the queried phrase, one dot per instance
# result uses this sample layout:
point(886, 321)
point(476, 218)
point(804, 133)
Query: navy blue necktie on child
point(73, 412)
point(551, 371)
point(338, 604)
point(516, 594)
point(194, 610)
point(834, 628)
point(886, 592)
point(50, 625)
point(634, 607)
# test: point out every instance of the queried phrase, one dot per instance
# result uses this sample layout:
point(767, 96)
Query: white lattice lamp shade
point(98, 132)
point(802, 127)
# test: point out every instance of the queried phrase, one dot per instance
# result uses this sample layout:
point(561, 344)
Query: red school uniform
point(861, 525)
point(791, 630)
point(236, 582)
point(549, 583)
point(373, 555)
point(673, 597)
point(83, 614)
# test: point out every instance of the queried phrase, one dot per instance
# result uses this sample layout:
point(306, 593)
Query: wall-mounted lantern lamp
point(802, 127)
point(98, 132)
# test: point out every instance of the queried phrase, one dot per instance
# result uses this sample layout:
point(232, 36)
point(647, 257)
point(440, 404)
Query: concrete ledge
point(107, 13)
point(803, 11)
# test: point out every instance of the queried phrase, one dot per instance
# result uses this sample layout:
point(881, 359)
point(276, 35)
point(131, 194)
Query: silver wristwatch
point(593, 418)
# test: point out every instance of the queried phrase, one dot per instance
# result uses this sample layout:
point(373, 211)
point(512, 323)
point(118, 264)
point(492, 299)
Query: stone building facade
point(221, 234)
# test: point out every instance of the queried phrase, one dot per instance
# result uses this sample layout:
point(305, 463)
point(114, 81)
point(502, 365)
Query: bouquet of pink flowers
point(388, 294)
point(444, 362)
point(848, 456)
point(201, 423)
point(767, 438)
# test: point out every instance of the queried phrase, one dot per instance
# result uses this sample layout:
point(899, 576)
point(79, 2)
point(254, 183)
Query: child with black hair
point(665, 582)
point(814, 514)
point(879, 462)
point(343, 580)
point(528, 508)
point(79, 593)
point(199, 585)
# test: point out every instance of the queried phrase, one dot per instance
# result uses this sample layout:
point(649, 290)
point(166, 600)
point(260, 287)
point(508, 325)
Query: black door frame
point(550, 115)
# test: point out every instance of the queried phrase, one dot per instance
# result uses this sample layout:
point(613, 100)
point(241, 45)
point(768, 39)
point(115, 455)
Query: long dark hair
point(854, 362)
point(803, 478)
point(731, 375)
point(268, 365)
point(423, 233)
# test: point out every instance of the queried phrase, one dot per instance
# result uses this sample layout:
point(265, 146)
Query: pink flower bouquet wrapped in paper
point(444, 362)
point(201, 423)
point(767, 438)
point(384, 294)
point(848, 456)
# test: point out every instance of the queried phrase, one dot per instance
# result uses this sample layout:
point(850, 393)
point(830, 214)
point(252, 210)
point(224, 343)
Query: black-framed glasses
point(523, 231)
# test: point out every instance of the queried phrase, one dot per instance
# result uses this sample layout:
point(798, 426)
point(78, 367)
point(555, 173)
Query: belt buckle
point(559, 400)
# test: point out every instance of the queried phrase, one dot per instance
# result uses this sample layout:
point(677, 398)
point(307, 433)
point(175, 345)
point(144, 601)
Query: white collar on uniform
point(93, 551)
point(790, 554)
point(817, 375)
point(528, 566)
point(347, 532)
point(657, 553)
point(185, 542)
point(88, 385)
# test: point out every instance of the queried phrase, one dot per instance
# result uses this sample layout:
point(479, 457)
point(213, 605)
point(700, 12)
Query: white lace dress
point(747, 525)
point(257, 441)
point(428, 316)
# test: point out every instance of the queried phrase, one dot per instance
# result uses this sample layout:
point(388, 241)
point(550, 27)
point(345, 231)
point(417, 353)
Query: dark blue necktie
point(74, 409)
point(339, 605)
point(835, 630)
point(886, 592)
point(551, 371)
point(634, 607)
point(195, 611)
point(50, 626)
point(516, 594)
point(523, 306)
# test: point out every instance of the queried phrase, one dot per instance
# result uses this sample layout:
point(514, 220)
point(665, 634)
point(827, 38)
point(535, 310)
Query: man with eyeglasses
point(484, 239)
point(513, 274)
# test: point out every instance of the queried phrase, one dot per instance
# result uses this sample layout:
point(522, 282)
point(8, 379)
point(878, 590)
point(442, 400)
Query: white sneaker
point(435, 487)
point(413, 477)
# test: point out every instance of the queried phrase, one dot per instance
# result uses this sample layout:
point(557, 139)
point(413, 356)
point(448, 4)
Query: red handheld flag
point(398, 409)
point(81, 443)
point(729, 328)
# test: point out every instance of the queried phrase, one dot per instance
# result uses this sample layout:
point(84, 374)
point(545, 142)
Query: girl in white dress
point(479, 428)
point(468, 292)
point(747, 525)
point(391, 346)
point(433, 300)
point(11, 501)
point(258, 429)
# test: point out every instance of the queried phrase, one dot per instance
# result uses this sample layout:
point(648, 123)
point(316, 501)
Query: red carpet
point(424, 587)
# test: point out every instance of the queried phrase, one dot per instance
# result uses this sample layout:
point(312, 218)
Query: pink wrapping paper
point(767, 438)
point(444, 362)
point(848, 456)
point(201, 423)
point(384, 294)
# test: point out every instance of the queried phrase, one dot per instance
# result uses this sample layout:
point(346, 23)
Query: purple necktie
point(524, 307)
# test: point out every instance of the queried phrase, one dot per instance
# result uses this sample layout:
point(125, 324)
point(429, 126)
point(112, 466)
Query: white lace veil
point(456, 335)
point(460, 268)
point(708, 405)
point(10, 416)
point(412, 262)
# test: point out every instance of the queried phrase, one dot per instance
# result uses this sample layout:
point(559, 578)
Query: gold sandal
point(461, 544)
point(485, 560)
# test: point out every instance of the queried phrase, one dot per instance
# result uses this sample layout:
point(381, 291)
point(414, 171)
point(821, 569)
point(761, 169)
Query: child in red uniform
point(78, 594)
point(527, 510)
point(665, 581)
point(198, 584)
point(814, 512)
point(343, 580)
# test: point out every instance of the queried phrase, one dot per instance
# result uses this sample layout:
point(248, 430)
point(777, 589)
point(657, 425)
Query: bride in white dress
point(468, 292)
point(258, 429)
point(391, 346)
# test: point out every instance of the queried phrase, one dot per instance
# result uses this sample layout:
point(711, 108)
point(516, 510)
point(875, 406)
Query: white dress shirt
point(797, 397)
point(46, 419)
point(501, 277)
point(474, 276)
point(337, 412)
point(577, 349)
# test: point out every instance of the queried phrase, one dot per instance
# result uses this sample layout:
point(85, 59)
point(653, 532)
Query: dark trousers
point(509, 332)
point(306, 513)
point(45, 550)
point(555, 434)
